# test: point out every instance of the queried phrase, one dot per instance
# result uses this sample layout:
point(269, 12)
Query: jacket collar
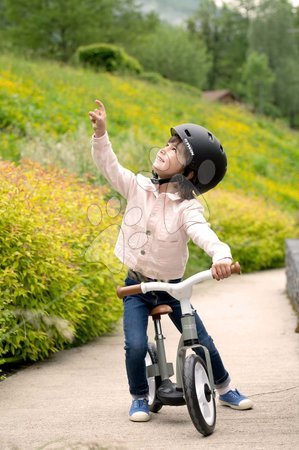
point(146, 184)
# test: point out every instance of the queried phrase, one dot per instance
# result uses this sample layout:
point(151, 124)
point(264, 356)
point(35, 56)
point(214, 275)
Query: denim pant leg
point(221, 376)
point(135, 322)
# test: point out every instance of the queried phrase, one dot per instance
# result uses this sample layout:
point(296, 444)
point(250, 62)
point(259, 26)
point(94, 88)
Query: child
point(161, 216)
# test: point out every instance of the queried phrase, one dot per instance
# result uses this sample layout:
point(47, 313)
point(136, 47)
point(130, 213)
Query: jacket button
point(142, 252)
point(148, 232)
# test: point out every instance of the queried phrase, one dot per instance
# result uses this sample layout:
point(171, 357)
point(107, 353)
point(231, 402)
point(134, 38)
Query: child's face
point(170, 159)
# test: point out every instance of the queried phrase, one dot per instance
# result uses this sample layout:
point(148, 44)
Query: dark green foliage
point(256, 82)
point(224, 33)
point(174, 54)
point(56, 28)
point(108, 57)
point(274, 32)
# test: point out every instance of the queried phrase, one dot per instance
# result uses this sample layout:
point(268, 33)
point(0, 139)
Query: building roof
point(219, 95)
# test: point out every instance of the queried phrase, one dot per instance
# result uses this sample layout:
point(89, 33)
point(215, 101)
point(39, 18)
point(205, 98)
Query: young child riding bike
point(162, 214)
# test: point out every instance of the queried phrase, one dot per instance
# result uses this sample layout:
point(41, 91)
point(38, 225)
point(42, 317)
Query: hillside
point(44, 116)
point(47, 101)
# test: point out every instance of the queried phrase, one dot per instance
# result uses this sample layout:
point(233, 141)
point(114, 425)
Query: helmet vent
point(188, 133)
point(221, 148)
point(211, 137)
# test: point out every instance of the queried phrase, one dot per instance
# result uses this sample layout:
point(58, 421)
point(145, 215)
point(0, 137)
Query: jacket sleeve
point(198, 229)
point(120, 178)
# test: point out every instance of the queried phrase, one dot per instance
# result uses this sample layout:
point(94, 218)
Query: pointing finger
point(100, 104)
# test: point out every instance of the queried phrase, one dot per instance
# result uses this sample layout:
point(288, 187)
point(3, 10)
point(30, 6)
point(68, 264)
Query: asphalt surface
point(78, 399)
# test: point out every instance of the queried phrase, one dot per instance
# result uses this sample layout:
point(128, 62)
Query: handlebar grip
point(122, 291)
point(236, 268)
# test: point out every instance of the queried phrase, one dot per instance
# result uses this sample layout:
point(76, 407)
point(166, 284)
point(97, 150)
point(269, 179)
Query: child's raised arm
point(120, 178)
point(98, 119)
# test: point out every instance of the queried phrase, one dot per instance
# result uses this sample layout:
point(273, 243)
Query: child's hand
point(98, 119)
point(222, 269)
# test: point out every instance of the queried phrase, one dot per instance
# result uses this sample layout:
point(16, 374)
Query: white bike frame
point(181, 291)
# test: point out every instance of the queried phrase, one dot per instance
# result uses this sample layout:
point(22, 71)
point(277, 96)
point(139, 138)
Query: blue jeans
point(136, 311)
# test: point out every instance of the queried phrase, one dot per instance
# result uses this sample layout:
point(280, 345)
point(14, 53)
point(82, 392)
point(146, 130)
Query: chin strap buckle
point(157, 180)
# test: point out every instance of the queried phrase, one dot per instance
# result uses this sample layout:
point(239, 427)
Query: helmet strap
point(157, 180)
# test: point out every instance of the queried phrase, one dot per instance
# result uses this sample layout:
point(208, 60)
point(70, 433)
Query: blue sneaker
point(235, 400)
point(139, 411)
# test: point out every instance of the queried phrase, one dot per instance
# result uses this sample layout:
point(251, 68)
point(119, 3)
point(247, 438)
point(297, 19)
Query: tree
point(171, 52)
point(272, 33)
point(245, 7)
point(295, 30)
point(224, 32)
point(57, 27)
point(2, 25)
point(233, 45)
point(257, 81)
point(287, 86)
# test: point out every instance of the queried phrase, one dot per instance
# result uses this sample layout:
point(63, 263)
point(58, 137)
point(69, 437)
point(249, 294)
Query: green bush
point(109, 57)
point(52, 293)
point(255, 231)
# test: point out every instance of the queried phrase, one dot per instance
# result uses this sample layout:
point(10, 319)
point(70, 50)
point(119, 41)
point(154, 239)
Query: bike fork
point(189, 340)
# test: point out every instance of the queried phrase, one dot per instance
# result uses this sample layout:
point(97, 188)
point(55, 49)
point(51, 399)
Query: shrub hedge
point(52, 292)
point(57, 269)
point(256, 231)
point(109, 57)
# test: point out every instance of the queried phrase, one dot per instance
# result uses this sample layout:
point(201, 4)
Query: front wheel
point(153, 382)
point(198, 394)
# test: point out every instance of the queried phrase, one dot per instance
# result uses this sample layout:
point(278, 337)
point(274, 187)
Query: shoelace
point(139, 403)
point(236, 394)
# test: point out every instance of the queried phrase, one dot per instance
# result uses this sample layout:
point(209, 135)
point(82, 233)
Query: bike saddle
point(160, 310)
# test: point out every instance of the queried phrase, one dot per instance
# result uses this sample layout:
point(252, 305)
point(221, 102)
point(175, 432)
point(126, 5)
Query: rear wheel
point(153, 382)
point(198, 394)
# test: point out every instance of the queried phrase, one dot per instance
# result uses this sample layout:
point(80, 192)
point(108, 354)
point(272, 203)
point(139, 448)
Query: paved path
point(78, 399)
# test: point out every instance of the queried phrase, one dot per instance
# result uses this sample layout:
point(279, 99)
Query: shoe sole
point(140, 417)
point(245, 404)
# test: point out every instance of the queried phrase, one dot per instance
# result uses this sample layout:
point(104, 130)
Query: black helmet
point(207, 157)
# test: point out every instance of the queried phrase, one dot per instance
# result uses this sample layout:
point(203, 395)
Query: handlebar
point(179, 290)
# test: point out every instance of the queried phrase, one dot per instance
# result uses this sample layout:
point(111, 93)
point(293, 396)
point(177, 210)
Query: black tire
point(198, 395)
point(153, 382)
